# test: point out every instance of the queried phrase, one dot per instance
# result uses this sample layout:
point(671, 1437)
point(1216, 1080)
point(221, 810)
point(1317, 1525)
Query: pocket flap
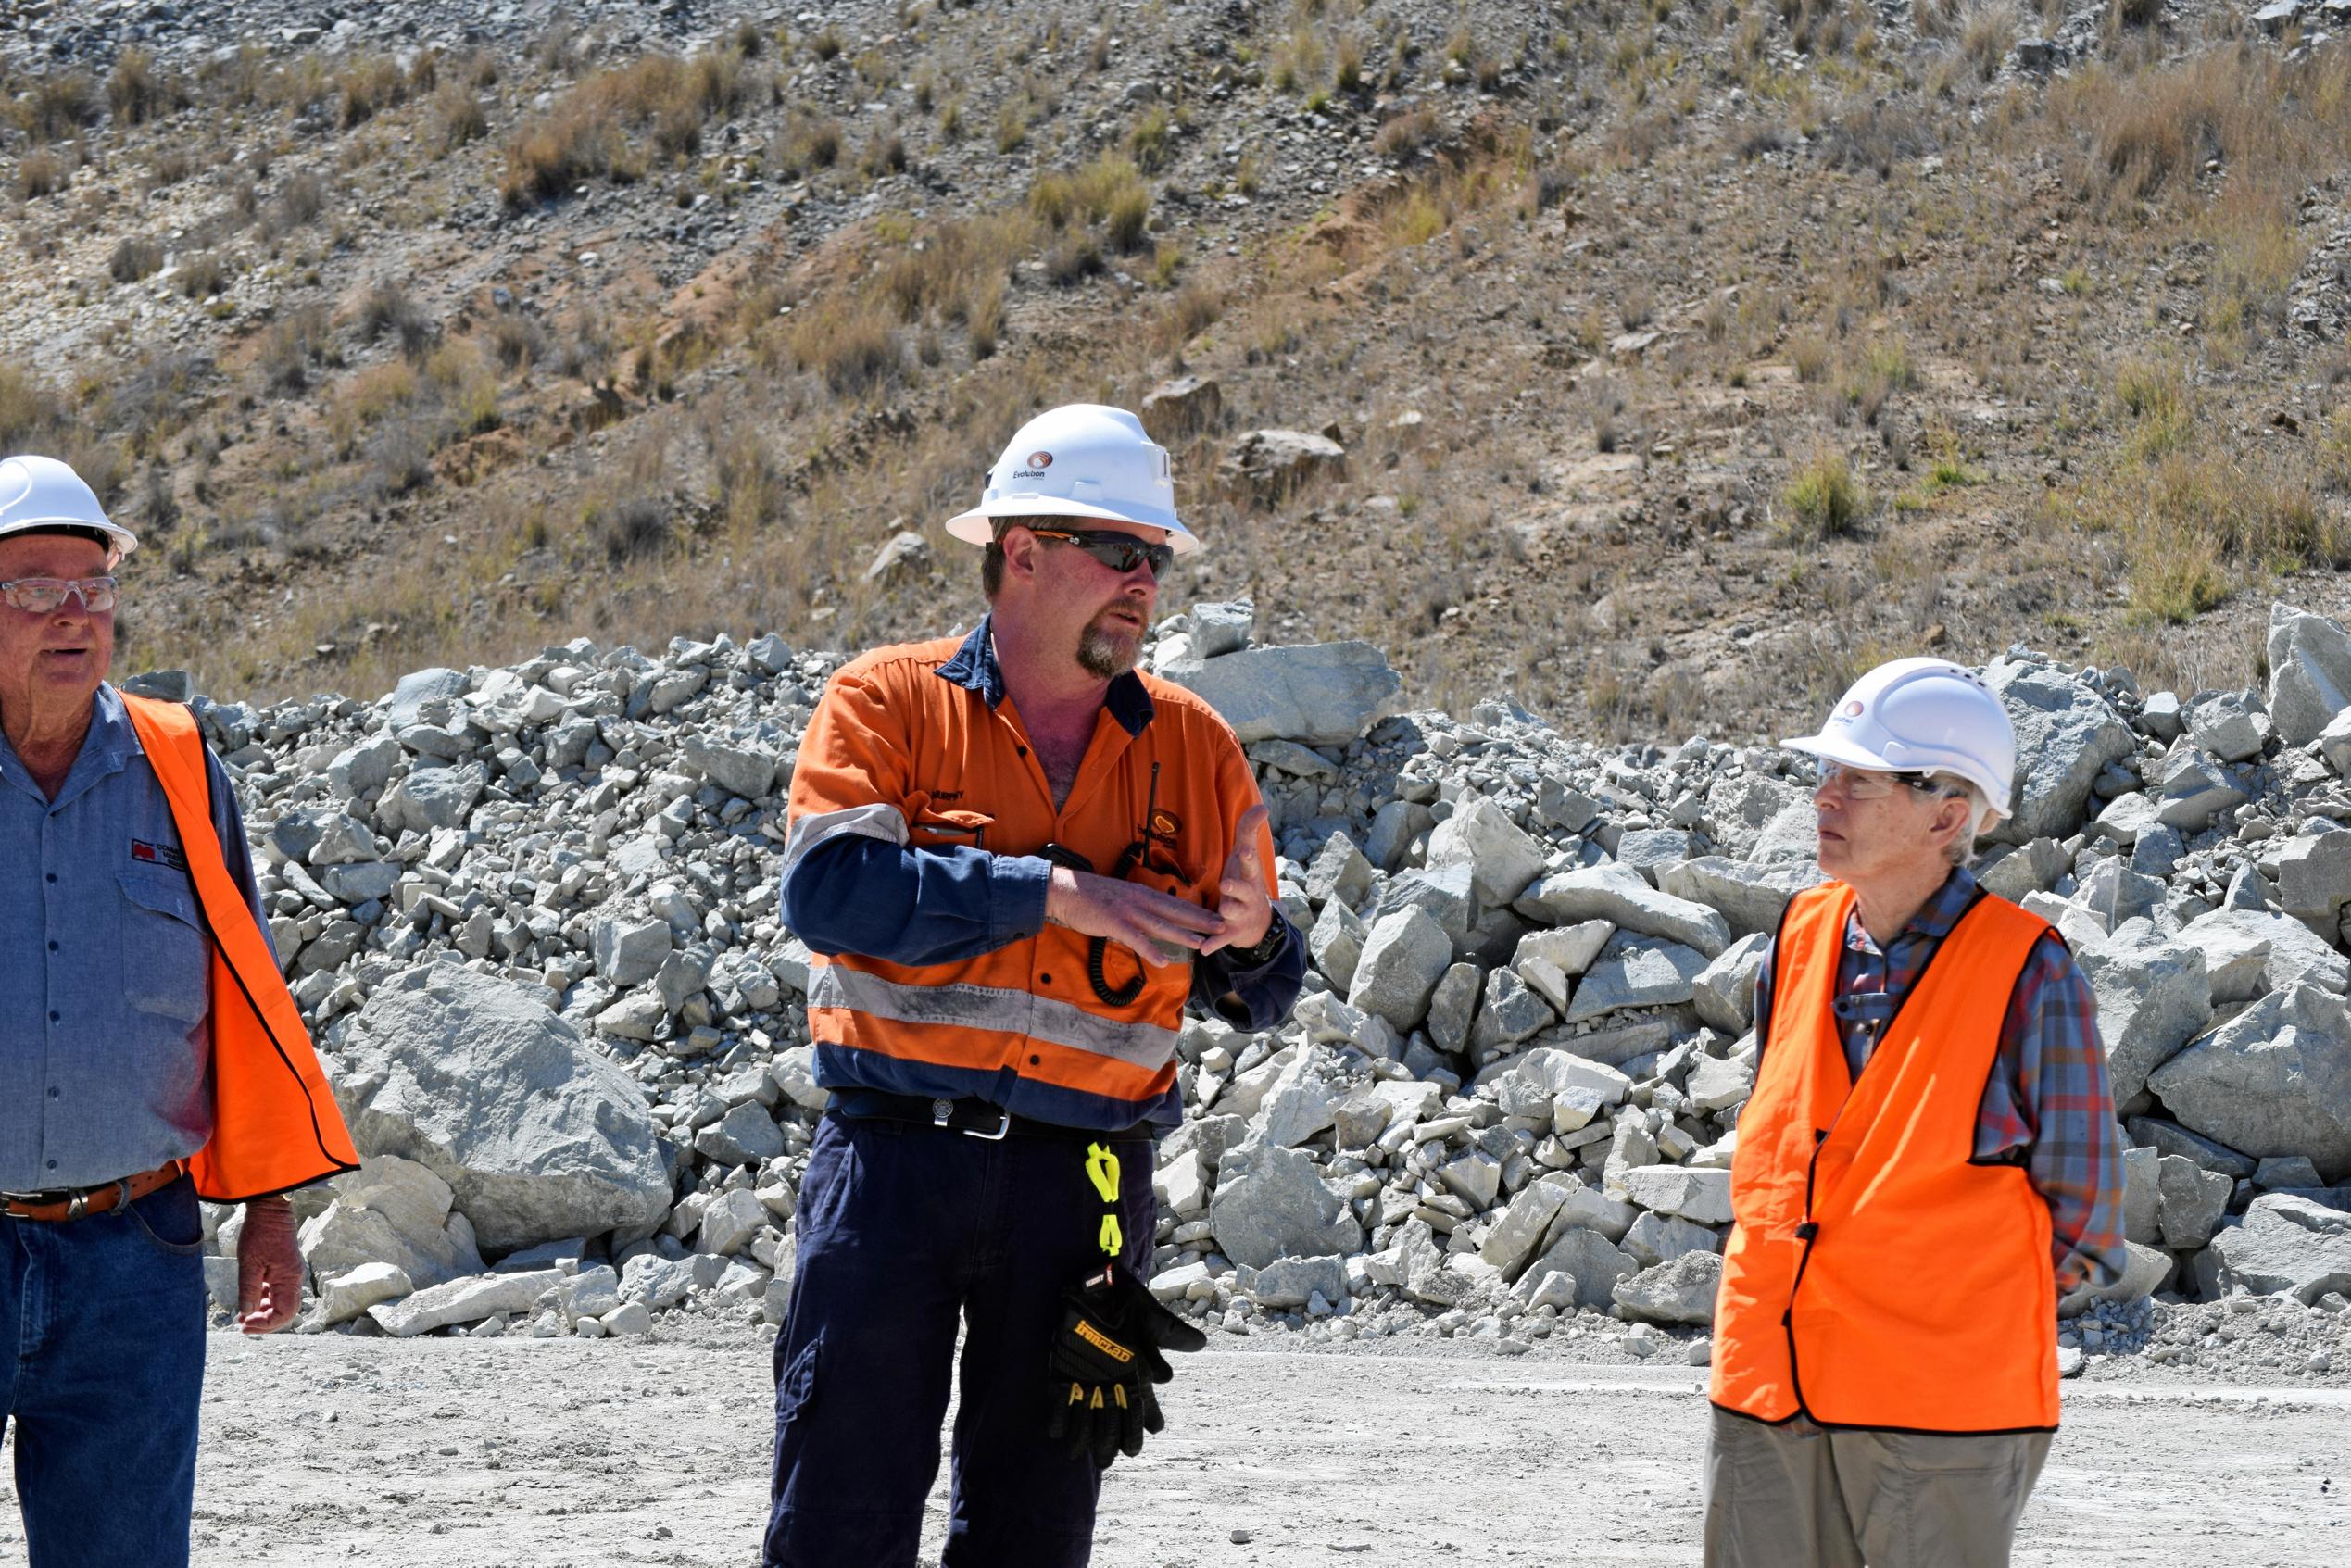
point(165, 894)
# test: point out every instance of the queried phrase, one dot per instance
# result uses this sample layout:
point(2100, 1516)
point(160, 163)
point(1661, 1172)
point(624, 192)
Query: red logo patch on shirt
point(147, 854)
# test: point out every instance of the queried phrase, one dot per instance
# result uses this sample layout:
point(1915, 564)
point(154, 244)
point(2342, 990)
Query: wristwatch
point(1268, 946)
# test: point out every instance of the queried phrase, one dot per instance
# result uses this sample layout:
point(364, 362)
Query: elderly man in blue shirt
point(126, 1083)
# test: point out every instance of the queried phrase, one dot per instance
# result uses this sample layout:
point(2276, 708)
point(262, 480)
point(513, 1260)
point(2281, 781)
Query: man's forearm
point(867, 895)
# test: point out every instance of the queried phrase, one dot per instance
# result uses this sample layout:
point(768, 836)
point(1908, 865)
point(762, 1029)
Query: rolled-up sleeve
point(2049, 1104)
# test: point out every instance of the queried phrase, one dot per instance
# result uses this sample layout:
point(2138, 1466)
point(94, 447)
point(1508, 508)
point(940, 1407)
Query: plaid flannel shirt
point(2045, 1106)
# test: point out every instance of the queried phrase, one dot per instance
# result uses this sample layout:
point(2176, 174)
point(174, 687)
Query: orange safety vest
point(275, 1125)
point(898, 750)
point(1876, 1277)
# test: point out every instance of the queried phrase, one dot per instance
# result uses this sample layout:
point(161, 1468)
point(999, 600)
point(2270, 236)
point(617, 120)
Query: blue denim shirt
point(106, 1045)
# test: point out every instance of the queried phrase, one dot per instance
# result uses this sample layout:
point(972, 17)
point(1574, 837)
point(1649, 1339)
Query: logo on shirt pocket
point(145, 854)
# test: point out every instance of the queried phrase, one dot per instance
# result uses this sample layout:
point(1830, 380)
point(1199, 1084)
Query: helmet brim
point(978, 525)
point(121, 540)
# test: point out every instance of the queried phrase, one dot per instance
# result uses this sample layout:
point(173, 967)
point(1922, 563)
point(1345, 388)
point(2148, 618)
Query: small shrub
point(1012, 125)
point(1825, 500)
point(366, 87)
point(56, 107)
point(133, 259)
point(40, 173)
point(853, 347)
point(1809, 355)
point(2154, 394)
point(1346, 75)
point(200, 275)
point(136, 94)
point(290, 345)
point(1073, 261)
point(516, 340)
point(299, 204)
point(458, 118)
point(390, 308)
point(632, 530)
point(825, 46)
point(1147, 141)
point(1124, 221)
point(1407, 135)
point(1987, 33)
point(886, 154)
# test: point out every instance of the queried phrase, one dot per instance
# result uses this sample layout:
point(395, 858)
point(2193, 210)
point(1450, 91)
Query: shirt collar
point(975, 670)
point(109, 744)
point(1935, 917)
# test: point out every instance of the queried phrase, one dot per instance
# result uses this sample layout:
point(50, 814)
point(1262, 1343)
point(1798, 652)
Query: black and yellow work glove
point(1106, 1357)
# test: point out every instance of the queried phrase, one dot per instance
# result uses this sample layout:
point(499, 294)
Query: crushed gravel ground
point(517, 1453)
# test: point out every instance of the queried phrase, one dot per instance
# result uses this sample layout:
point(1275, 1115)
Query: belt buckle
point(1004, 1125)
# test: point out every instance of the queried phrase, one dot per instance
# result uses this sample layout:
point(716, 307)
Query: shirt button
point(55, 1093)
point(53, 1164)
point(53, 1015)
point(53, 947)
point(53, 876)
point(1044, 979)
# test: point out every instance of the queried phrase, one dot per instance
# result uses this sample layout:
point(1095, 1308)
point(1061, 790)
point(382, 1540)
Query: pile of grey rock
point(531, 913)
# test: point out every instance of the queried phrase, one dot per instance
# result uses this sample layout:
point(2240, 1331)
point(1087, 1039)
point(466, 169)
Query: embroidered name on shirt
point(148, 854)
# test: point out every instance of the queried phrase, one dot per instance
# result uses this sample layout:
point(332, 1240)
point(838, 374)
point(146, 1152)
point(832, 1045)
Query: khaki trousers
point(1800, 1495)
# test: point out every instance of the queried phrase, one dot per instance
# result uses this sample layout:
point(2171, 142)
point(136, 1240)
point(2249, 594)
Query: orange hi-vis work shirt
point(1877, 1276)
point(275, 1125)
point(942, 979)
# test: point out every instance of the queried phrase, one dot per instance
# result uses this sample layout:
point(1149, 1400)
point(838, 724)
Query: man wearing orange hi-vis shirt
point(1927, 1161)
point(150, 1055)
point(1020, 860)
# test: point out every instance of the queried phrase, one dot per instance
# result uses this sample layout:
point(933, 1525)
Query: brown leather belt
point(79, 1203)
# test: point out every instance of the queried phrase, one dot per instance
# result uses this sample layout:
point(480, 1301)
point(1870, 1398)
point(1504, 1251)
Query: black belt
point(973, 1118)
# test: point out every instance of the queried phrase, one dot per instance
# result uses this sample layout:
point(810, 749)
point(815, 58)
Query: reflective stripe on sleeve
point(987, 1006)
point(880, 821)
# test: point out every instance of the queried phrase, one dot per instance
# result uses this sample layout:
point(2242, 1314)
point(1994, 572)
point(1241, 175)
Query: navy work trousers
point(101, 1374)
point(904, 1229)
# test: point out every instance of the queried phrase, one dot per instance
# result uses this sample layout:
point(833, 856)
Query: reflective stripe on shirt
point(986, 1007)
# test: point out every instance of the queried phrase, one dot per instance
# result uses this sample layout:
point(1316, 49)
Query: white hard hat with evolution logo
point(1922, 716)
point(1080, 460)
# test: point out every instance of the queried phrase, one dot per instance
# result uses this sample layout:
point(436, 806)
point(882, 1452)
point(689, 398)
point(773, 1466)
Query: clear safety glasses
point(46, 595)
point(1863, 783)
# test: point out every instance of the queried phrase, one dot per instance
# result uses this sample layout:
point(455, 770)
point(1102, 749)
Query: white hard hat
point(1080, 460)
point(43, 495)
point(1922, 716)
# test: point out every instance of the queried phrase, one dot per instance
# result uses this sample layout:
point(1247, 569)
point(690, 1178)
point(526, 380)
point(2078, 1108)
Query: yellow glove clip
point(1102, 1169)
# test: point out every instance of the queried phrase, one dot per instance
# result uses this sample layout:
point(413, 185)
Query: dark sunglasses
point(1121, 552)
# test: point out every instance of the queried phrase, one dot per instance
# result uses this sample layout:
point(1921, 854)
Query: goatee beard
point(1103, 656)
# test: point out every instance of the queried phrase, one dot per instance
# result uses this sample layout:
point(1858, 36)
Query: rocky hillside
point(530, 914)
point(1659, 365)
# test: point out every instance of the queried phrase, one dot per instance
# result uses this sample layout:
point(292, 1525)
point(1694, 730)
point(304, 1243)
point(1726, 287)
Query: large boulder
point(1751, 895)
point(539, 1136)
point(1403, 957)
point(1624, 897)
point(1681, 1290)
point(1274, 462)
point(2274, 1080)
point(2066, 736)
point(2152, 1000)
point(1502, 859)
point(2310, 673)
point(2288, 1244)
point(1271, 1203)
point(2250, 952)
point(1323, 694)
point(390, 1210)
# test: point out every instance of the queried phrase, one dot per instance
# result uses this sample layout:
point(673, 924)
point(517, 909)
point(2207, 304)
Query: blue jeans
point(101, 1370)
point(904, 1229)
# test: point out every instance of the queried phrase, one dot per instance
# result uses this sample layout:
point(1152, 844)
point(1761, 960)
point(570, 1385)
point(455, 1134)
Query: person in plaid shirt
point(1928, 1161)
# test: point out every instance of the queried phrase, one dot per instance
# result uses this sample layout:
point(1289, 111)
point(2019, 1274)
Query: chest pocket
point(166, 954)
